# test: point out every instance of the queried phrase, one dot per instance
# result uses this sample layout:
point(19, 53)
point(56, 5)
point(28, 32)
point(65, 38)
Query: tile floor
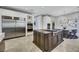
point(25, 44)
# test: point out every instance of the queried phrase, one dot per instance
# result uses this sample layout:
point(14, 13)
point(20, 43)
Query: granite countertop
point(54, 30)
point(48, 31)
point(43, 31)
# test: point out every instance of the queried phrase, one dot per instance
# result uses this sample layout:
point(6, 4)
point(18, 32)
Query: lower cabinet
point(47, 41)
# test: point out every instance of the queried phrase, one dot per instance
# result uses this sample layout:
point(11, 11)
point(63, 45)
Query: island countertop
point(48, 31)
point(43, 31)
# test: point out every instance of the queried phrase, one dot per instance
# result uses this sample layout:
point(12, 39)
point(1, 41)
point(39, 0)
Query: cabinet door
point(35, 37)
point(38, 38)
point(50, 41)
point(42, 42)
point(60, 37)
point(46, 38)
point(55, 40)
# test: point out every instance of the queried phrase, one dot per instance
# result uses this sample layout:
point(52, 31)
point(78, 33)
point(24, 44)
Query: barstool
point(74, 33)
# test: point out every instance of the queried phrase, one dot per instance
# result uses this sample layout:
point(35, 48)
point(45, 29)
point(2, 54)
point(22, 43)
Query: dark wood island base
point(47, 40)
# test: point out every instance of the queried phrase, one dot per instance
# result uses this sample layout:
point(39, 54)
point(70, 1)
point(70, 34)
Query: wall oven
point(29, 27)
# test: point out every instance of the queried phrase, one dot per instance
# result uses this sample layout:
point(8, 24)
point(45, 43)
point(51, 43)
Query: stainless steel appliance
point(29, 27)
point(13, 26)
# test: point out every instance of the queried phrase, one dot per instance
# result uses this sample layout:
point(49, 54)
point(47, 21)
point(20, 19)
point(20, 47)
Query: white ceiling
point(52, 10)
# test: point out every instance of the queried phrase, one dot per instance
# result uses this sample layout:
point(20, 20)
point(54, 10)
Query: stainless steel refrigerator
point(13, 26)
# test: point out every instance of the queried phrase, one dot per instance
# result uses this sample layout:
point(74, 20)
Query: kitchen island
point(47, 40)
